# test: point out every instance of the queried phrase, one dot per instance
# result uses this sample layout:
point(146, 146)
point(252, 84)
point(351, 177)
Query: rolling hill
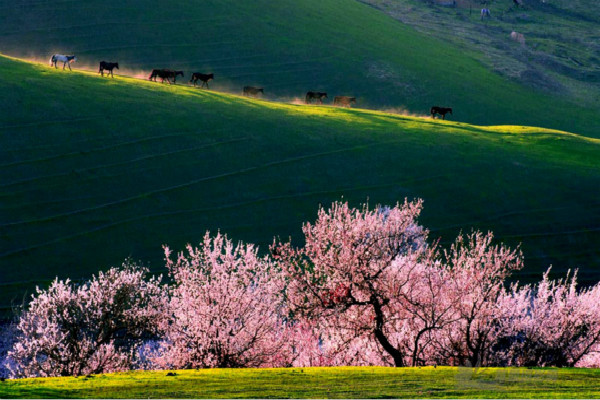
point(97, 169)
point(339, 46)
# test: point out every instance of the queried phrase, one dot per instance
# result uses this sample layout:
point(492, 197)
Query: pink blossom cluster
point(366, 288)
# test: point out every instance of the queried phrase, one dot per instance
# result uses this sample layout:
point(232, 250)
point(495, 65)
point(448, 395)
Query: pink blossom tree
point(430, 307)
point(348, 277)
point(93, 327)
point(225, 308)
point(552, 323)
point(380, 295)
point(478, 271)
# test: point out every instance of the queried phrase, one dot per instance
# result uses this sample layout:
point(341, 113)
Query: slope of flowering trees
point(366, 288)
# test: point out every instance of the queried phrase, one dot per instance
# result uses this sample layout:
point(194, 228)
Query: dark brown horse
point(197, 76)
point(108, 66)
point(252, 91)
point(441, 111)
point(344, 101)
point(315, 95)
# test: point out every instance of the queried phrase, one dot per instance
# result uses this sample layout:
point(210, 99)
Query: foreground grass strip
point(338, 382)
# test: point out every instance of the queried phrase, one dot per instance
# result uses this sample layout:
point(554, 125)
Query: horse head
point(117, 65)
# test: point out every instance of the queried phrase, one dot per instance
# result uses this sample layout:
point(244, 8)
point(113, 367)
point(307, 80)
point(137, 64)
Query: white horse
point(66, 60)
point(485, 12)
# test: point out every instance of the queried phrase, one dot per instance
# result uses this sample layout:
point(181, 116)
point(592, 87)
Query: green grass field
point(340, 382)
point(95, 170)
point(341, 47)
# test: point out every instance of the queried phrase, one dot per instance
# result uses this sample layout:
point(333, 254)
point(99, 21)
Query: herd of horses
point(250, 91)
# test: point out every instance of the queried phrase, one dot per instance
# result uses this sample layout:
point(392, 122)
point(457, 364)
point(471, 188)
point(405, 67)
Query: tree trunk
point(380, 336)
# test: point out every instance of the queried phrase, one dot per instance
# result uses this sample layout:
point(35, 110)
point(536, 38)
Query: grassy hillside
point(339, 46)
point(95, 170)
point(340, 382)
point(561, 53)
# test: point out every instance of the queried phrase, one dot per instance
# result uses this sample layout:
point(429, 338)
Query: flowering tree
point(380, 295)
point(478, 273)
point(552, 323)
point(430, 306)
point(348, 277)
point(224, 308)
point(94, 327)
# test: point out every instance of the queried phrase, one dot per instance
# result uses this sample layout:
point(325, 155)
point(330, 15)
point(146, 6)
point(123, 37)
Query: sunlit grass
point(338, 382)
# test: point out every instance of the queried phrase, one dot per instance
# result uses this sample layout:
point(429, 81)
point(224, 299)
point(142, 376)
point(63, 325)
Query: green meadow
point(95, 170)
point(337, 382)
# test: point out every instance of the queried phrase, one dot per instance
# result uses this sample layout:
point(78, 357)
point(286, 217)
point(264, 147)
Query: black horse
point(252, 91)
point(315, 95)
point(174, 76)
point(108, 66)
point(159, 73)
point(441, 111)
point(164, 74)
point(344, 101)
point(197, 76)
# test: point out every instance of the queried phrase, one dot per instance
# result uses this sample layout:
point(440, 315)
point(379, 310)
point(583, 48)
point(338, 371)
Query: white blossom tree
point(551, 323)
point(93, 327)
point(225, 308)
